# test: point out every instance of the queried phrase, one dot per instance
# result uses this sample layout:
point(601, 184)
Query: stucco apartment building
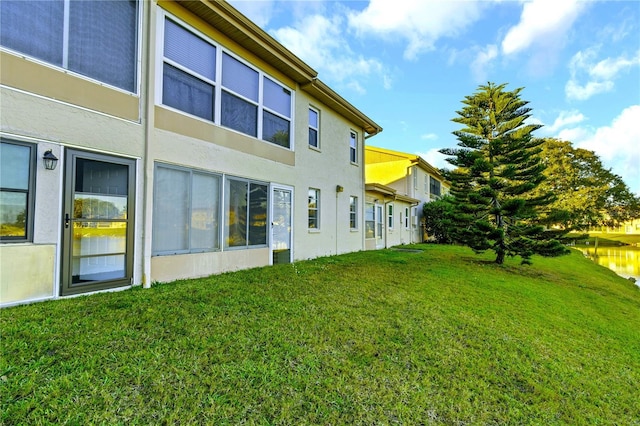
point(397, 186)
point(147, 141)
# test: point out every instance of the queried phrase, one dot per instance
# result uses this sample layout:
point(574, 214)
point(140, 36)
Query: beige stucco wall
point(54, 109)
point(171, 268)
point(179, 139)
point(26, 272)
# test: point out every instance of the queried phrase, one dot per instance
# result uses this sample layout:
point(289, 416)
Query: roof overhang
point(387, 191)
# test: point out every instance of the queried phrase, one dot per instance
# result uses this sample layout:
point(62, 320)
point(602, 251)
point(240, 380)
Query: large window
point(245, 213)
point(186, 211)
point(17, 162)
point(434, 186)
point(353, 147)
point(314, 208)
point(242, 98)
point(314, 128)
point(353, 212)
point(98, 39)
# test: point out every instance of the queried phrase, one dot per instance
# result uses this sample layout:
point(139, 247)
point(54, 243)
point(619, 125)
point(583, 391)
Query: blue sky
point(407, 64)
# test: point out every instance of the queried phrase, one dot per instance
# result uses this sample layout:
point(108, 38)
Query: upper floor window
point(200, 79)
point(353, 212)
point(353, 147)
point(17, 178)
point(434, 186)
point(98, 39)
point(314, 208)
point(314, 128)
point(415, 177)
point(189, 72)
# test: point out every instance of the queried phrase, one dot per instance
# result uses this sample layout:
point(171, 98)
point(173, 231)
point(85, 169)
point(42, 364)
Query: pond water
point(624, 261)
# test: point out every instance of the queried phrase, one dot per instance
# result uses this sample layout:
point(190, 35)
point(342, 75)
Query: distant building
point(413, 181)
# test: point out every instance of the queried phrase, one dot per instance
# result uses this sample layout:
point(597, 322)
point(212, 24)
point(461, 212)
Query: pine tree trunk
point(500, 257)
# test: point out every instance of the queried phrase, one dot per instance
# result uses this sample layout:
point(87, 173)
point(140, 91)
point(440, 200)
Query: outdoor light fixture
point(339, 188)
point(50, 160)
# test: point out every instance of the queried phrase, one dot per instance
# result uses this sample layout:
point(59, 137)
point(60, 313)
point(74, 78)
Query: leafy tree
point(497, 168)
point(439, 217)
point(586, 194)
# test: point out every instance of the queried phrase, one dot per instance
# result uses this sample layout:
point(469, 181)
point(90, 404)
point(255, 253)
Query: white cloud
point(420, 23)
point(434, 158)
point(259, 11)
point(615, 144)
point(599, 75)
point(482, 62)
point(565, 118)
point(541, 21)
point(429, 137)
point(319, 41)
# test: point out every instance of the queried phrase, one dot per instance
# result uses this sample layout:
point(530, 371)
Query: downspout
point(147, 219)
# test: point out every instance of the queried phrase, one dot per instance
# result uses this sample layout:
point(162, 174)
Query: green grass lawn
point(387, 337)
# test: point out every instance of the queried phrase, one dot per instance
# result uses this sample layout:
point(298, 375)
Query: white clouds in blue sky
point(408, 63)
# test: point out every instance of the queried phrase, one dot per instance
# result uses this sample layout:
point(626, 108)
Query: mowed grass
point(387, 337)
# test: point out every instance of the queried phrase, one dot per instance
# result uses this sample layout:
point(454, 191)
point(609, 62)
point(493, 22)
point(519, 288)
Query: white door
point(379, 218)
point(281, 225)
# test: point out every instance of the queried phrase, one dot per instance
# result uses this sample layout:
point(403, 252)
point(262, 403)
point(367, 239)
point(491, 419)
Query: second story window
point(201, 79)
point(353, 148)
point(314, 128)
point(189, 69)
point(239, 110)
point(97, 39)
point(434, 186)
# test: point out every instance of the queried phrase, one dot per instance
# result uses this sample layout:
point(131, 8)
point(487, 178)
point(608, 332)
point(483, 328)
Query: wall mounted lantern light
point(339, 188)
point(50, 160)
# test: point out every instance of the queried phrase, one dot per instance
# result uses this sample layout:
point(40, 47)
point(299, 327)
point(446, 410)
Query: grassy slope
point(385, 337)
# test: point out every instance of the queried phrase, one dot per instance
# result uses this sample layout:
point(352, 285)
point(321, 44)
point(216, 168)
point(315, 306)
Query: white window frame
point(439, 186)
point(353, 147)
point(390, 212)
point(406, 218)
point(162, 15)
point(316, 209)
point(353, 213)
point(317, 129)
point(219, 208)
point(415, 177)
